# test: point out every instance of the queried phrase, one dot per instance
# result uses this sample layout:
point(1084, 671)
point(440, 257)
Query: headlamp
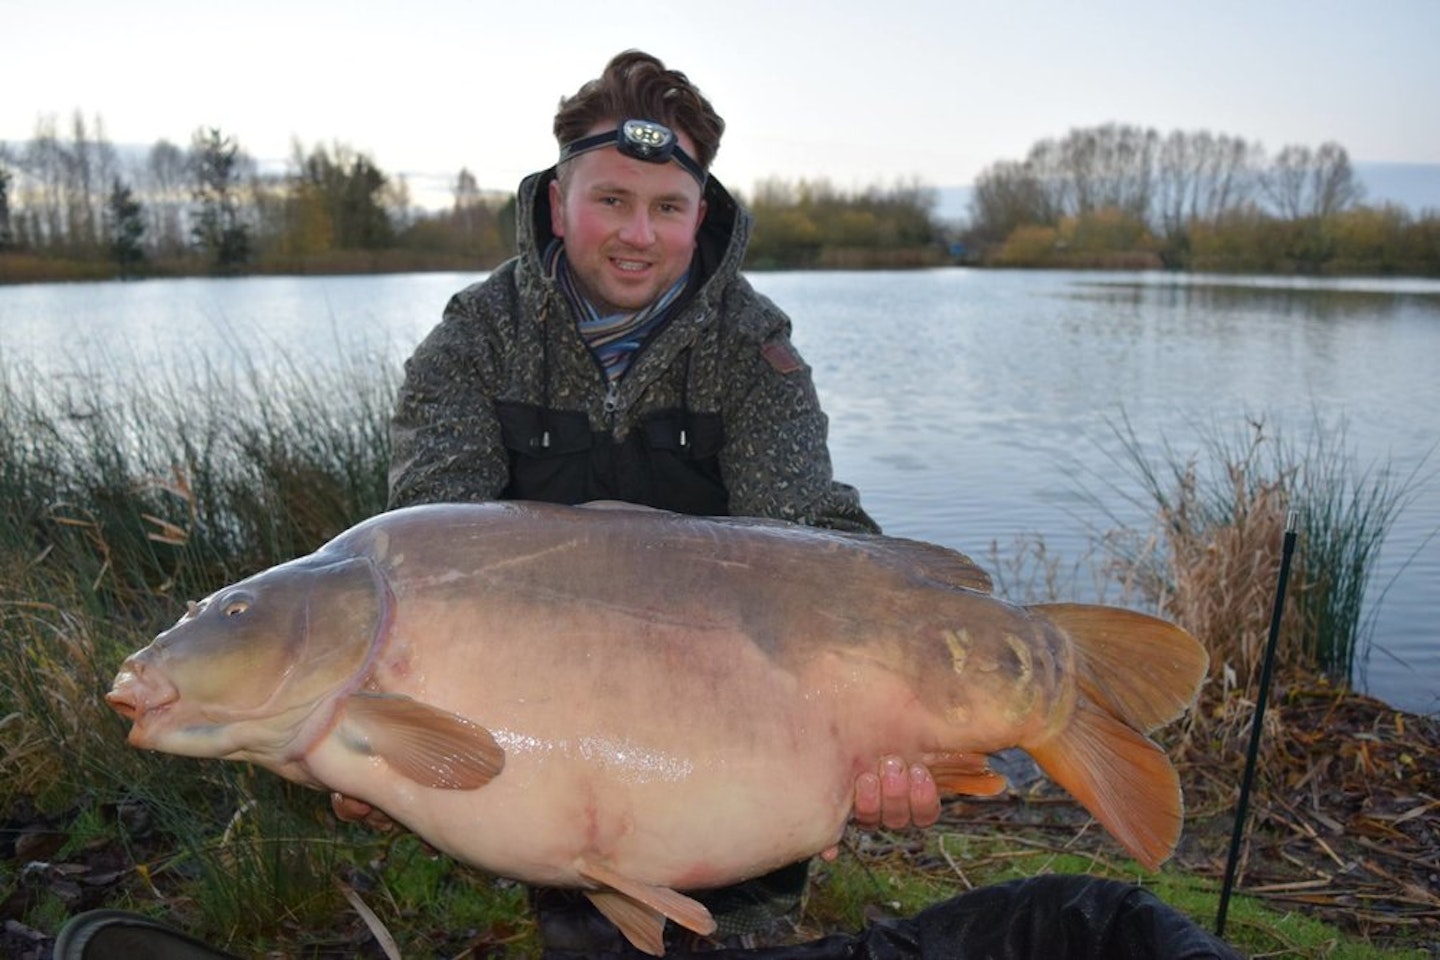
point(645, 140)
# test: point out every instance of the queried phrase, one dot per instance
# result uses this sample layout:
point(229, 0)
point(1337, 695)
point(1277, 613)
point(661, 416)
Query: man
point(622, 356)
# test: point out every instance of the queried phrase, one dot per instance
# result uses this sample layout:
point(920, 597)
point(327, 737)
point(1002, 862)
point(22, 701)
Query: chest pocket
point(671, 460)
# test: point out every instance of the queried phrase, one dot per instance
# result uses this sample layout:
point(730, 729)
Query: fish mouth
point(122, 703)
point(138, 694)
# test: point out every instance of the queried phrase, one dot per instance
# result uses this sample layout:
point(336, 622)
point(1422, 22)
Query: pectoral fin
point(433, 747)
point(639, 909)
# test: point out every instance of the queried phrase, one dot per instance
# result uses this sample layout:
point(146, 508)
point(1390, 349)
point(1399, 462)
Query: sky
point(861, 94)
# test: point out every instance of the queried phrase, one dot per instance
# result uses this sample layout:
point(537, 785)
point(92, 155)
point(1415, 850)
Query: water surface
point(969, 407)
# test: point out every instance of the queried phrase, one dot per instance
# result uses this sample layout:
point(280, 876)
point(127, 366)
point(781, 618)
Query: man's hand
point(358, 811)
point(894, 797)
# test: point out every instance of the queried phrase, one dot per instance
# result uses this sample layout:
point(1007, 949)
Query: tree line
point(1113, 195)
point(815, 224)
point(1191, 200)
point(72, 198)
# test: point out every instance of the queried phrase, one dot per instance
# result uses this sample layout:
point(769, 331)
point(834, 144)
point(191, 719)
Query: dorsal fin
point(941, 563)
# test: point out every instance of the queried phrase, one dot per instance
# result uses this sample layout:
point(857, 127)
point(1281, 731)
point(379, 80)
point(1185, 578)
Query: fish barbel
point(635, 702)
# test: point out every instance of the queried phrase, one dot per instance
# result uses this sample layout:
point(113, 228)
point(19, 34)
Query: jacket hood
point(719, 249)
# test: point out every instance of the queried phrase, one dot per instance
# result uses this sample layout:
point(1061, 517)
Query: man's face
point(629, 226)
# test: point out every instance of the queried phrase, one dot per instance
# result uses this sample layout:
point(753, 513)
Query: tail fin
point(1143, 669)
point(1134, 673)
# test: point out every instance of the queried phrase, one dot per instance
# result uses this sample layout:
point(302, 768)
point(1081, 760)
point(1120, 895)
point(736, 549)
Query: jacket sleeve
point(444, 436)
point(776, 461)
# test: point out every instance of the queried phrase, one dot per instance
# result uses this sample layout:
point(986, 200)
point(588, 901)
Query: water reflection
point(1325, 302)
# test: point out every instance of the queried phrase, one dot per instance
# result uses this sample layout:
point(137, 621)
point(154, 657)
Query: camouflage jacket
point(511, 340)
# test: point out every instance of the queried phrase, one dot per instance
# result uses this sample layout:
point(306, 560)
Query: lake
point(970, 407)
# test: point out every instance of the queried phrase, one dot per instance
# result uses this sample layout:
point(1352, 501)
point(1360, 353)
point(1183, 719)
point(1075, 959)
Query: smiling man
point(621, 355)
point(628, 228)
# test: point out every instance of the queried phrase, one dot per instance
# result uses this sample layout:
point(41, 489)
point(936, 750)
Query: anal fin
point(639, 909)
point(643, 927)
point(965, 773)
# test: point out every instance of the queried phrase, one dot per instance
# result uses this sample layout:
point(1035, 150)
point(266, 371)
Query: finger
point(379, 820)
point(829, 854)
point(867, 801)
point(349, 809)
point(894, 793)
point(924, 796)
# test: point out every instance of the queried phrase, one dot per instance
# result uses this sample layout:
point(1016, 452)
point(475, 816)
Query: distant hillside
point(1412, 185)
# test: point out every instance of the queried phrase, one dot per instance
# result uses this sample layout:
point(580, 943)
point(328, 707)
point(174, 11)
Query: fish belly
point(688, 778)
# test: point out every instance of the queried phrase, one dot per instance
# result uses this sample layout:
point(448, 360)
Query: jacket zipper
point(612, 403)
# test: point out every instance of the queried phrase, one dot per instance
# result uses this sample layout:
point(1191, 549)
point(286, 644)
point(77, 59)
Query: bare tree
point(7, 231)
point(1006, 195)
point(1176, 182)
point(89, 165)
point(1095, 168)
point(1046, 166)
point(1107, 167)
point(1200, 178)
point(82, 223)
point(165, 191)
point(1301, 182)
point(42, 191)
point(1285, 179)
point(396, 199)
point(1333, 186)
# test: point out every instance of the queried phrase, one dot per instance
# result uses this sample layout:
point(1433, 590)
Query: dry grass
point(1219, 582)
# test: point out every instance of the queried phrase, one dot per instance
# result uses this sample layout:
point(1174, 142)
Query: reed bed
point(1211, 559)
point(120, 501)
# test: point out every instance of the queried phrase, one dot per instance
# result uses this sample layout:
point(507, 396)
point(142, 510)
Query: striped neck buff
point(615, 338)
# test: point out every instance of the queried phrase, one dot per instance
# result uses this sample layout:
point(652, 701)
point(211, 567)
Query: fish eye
point(235, 605)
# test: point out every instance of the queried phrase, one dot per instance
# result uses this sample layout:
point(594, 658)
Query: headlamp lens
point(647, 140)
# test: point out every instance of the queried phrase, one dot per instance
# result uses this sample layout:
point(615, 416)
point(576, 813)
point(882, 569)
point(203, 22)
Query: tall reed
point(121, 499)
point(178, 484)
point(1213, 556)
